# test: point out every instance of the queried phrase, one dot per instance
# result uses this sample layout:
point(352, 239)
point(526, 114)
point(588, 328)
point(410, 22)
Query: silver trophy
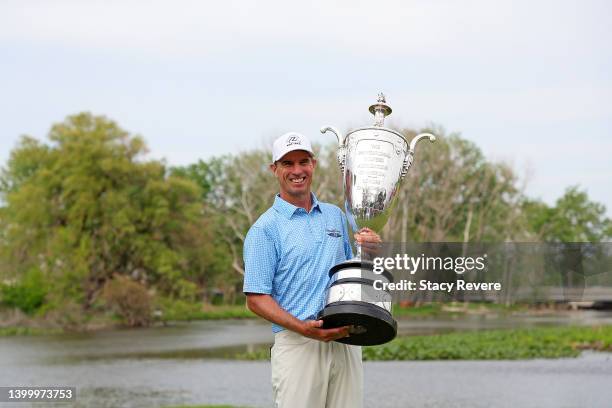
point(373, 160)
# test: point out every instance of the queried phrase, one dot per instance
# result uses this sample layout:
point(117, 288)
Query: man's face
point(294, 173)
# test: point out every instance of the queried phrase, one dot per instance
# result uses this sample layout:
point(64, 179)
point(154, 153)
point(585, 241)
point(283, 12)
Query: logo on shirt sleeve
point(332, 232)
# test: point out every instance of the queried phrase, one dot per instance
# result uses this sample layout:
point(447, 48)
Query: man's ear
point(272, 168)
point(314, 162)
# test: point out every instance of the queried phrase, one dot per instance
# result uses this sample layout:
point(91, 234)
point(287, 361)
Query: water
point(178, 365)
point(581, 382)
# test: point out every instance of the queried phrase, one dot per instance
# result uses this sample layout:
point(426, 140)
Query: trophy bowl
point(373, 160)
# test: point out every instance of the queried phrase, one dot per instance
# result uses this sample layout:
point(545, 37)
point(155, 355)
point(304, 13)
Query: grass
point(260, 353)
point(224, 312)
point(27, 331)
point(184, 311)
point(177, 310)
point(426, 310)
point(213, 313)
point(173, 311)
point(453, 308)
point(554, 342)
point(511, 344)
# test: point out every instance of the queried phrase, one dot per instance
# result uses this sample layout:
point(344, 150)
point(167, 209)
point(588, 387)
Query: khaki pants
point(308, 373)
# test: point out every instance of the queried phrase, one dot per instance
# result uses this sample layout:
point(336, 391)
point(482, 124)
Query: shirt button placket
point(314, 225)
point(309, 220)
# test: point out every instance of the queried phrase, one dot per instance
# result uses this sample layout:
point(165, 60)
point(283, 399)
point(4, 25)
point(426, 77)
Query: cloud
point(381, 29)
point(521, 78)
point(519, 106)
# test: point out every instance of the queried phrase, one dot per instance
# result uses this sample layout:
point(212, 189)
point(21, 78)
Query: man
point(287, 255)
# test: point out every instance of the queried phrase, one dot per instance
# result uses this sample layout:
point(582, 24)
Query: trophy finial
point(380, 109)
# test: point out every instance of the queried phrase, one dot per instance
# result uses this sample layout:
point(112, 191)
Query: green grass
point(453, 308)
point(214, 313)
point(225, 312)
point(430, 309)
point(173, 311)
point(260, 353)
point(513, 344)
point(176, 310)
point(27, 331)
point(184, 311)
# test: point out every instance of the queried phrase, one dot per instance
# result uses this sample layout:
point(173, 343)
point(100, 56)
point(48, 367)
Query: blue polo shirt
point(288, 253)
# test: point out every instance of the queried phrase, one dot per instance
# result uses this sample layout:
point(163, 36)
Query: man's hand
point(312, 329)
point(369, 241)
point(266, 307)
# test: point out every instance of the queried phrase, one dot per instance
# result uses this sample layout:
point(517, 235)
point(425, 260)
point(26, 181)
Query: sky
point(527, 81)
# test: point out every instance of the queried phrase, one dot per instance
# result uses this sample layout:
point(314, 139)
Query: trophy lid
point(380, 110)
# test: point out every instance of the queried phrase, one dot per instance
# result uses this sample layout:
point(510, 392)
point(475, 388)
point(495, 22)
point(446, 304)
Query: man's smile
point(298, 180)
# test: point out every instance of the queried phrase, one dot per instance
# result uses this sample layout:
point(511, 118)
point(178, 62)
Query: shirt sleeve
point(260, 262)
point(348, 250)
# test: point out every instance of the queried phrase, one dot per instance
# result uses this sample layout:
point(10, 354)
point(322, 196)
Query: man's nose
point(296, 168)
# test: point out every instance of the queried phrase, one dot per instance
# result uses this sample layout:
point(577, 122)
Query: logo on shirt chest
point(332, 232)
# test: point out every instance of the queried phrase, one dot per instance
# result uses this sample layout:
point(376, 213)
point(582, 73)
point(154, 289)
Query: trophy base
point(371, 325)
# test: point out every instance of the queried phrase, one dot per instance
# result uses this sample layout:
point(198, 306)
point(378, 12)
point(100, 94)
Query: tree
point(89, 206)
point(452, 193)
point(574, 218)
point(236, 191)
point(572, 228)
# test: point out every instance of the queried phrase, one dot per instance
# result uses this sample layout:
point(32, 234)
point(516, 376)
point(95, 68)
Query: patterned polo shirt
point(288, 253)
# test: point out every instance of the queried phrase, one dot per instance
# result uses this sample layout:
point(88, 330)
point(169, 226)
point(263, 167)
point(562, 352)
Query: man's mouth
point(298, 180)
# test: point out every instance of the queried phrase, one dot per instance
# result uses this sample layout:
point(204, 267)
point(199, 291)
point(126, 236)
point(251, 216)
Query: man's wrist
point(299, 327)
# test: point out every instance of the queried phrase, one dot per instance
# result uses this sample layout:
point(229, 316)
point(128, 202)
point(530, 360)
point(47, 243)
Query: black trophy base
point(372, 325)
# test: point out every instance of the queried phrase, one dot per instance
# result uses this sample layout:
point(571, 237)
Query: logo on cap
point(294, 140)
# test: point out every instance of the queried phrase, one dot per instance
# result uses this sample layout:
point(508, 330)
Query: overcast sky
point(528, 81)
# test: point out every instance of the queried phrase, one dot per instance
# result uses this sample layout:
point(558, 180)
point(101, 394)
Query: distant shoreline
point(23, 325)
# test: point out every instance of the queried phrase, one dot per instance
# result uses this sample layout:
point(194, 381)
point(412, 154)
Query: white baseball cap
point(289, 142)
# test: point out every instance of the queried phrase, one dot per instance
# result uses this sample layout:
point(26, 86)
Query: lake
point(180, 364)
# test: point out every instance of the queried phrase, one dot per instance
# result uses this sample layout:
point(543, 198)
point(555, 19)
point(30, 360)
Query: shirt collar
point(288, 209)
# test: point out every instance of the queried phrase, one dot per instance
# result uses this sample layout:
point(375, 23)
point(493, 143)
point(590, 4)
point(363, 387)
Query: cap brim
point(283, 154)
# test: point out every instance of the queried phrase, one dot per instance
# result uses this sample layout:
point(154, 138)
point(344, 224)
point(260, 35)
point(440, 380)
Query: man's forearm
point(266, 307)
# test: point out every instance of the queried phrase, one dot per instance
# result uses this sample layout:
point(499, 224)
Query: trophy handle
point(341, 147)
point(417, 138)
point(410, 156)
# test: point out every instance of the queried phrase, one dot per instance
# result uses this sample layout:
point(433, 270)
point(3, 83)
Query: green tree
point(236, 191)
point(573, 223)
point(89, 206)
point(574, 218)
point(452, 193)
